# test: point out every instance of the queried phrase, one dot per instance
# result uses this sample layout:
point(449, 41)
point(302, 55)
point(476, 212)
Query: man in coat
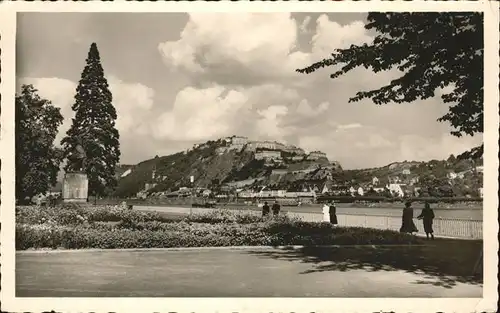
point(265, 209)
point(276, 208)
point(427, 216)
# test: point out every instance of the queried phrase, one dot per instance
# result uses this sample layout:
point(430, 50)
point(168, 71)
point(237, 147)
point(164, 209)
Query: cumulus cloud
point(255, 57)
point(206, 113)
point(349, 126)
point(305, 24)
point(132, 101)
point(200, 114)
point(219, 46)
point(219, 74)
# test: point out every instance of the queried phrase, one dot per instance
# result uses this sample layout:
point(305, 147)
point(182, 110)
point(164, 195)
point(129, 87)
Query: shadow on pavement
point(442, 262)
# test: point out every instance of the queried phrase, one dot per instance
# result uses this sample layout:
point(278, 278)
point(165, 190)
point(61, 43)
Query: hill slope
point(215, 163)
point(210, 166)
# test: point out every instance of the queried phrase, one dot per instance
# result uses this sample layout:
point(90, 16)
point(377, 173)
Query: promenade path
point(252, 272)
point(443, 227)
point(473, 213)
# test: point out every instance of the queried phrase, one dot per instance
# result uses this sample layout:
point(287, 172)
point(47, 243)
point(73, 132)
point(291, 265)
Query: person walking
point(326, 212)
point(427, 216)
point(333, 213)
point(407, 225)
point(276, 208)
point(265, 209)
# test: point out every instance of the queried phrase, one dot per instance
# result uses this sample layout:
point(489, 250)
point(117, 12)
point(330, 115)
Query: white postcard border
point(491, 89)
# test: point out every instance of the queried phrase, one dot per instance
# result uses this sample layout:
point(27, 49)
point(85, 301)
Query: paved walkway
point(458, 228)
point(218, 273)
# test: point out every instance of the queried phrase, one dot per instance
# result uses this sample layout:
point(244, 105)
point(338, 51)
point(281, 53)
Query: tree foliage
point(431, 51)
point(94, 128)
point(37, 159)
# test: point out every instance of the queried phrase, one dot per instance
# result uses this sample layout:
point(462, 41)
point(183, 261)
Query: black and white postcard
point(249, 156)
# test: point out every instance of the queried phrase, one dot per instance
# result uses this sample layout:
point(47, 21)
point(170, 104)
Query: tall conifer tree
point(94, 128)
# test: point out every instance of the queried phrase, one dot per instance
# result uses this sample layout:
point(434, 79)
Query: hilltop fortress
point(265, 150)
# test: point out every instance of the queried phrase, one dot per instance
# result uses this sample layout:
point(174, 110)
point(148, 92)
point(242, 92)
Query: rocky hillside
point(236, 164)
point(214, 163)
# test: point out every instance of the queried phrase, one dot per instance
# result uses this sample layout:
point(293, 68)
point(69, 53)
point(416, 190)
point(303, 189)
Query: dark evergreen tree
point(37, 159)
point(94, 128)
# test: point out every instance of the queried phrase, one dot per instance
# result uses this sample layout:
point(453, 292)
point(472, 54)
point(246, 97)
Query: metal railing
point(445, 227)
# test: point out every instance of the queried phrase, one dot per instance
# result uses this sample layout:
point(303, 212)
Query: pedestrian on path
point(407, 225)
point(276, 208)
point(265, 209)
point(333, 213)
point(427, 216)
point(326, 213)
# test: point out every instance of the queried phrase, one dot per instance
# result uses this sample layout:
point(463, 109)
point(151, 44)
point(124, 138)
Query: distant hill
point(233, 161)
point(238, 162)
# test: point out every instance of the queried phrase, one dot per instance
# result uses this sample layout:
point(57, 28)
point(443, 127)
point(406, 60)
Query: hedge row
point(74, 227)
point(157, 235)
point(75, 214)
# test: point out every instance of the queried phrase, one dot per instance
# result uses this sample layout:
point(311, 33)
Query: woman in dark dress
point(427, 216)
point(407, 225)
point(333, 214)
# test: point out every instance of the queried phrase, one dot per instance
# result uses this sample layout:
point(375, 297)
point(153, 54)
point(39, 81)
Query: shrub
point(73, 214)
point(75, 227)
point(163, 235)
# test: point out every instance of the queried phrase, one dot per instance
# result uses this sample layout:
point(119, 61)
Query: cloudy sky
point(179, 79)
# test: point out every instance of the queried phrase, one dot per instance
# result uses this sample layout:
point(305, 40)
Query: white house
point(396, 189)
point(406, 171)
point(352, 191)
point(394, 179)
point(414, 180)
point(127, 172)
point(480, 192)
point(361, 191)
point(375, 181)
point(378, 189)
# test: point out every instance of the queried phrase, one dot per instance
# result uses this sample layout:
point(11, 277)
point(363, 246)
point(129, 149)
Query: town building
point(414, 180)
point(279, 171)
point(396, 189)
point(375, 181)
point(352, 191)
point(378, 189)
point(394, 180)
point(294, 149)
point(239, 140)
point(221, 150)
point(314, 155)
point(268, 155)
point(297, 158)
point(406, 171)
point(361, 192)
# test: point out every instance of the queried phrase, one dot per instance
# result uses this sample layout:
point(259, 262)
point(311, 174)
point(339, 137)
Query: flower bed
point(75, 227)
